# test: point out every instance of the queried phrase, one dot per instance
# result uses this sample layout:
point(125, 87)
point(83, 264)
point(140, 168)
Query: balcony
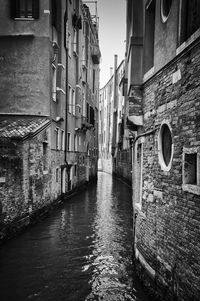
point(85, 125)
point(95, 54)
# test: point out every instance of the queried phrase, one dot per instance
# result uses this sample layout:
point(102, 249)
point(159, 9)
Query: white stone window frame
point(161, 160)
point(62, 139)
point(57, 138)
point(164, 18)
point(192, 188)
point(54, 81)
point(69, 99)
point(138, 202)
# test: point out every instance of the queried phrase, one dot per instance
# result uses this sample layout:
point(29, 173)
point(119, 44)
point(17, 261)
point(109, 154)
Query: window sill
point(45, 172)
point(24, 19)
point(148, 74)
point(188, 42)
point(195, 189)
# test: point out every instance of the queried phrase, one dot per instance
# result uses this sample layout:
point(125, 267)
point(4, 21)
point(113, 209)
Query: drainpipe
point(134, 170)
point(66, 68)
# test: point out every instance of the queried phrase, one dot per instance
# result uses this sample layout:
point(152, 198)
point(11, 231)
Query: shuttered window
point(28, 9)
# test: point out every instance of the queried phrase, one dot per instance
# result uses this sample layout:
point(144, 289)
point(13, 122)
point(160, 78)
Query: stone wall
point(167, 226)
point(28, 180)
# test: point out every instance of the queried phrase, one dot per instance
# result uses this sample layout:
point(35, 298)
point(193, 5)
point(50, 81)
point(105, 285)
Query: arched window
point(165, 9)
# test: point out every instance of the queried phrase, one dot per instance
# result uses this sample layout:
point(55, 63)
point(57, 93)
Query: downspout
point(66, 68)
point(134, 159)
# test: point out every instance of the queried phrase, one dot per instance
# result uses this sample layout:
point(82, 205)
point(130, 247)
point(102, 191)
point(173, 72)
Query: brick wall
point(167, 227)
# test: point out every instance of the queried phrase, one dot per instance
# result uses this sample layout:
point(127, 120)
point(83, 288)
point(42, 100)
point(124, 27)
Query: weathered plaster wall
point(24, 75)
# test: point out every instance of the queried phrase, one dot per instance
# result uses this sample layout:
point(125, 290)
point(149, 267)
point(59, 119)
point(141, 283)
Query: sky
point(112, 28)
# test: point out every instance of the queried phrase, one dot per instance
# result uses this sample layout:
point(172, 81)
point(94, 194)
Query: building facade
point(114, 148)
point(163, 76)
point(48, 109)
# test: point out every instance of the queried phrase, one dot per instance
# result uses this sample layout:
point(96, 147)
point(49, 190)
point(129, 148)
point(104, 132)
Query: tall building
point(49, 79)
point(113, 139)
point(163, 77)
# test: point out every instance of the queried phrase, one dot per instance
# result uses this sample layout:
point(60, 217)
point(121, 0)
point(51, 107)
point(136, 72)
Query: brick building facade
point(163, 75)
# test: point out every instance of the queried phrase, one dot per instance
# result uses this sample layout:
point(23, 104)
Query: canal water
point(82, 252)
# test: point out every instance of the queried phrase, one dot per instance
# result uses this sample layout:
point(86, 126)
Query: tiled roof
point(20, 127)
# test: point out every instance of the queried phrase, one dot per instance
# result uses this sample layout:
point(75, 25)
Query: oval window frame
point(162, 162)
point(164, 17)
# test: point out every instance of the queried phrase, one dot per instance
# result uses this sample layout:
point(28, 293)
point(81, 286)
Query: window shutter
point(12, 9)
point(53, 12)
point(15, 8)
point(35, 6)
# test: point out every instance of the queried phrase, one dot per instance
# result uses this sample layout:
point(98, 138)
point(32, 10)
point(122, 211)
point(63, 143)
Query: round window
point(165, 9)
point(165, 147)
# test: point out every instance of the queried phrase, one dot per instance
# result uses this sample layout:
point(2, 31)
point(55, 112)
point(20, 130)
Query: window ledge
point(24, 19)
point(148, 74)
point(188, 42)
point(195, 189)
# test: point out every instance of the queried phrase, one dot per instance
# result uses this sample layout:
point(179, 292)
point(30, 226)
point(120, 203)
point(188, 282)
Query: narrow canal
point(81, 252)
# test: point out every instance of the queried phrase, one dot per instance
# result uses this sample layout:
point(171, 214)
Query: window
point(75, 143)
point(191, 170)
point(75, 41)
point(69, 142)
point(93, 86)
point(165, 146)
point(45, 156)
point(62, 139)
point(84, 104)
point(70, 99)
point(57, 138)
point(73, 102)
point(25, 9)
point(149, 36)
point(165, 9)
point(189, 18)
point(69, 44)
point(53, 82)
point(57, 175)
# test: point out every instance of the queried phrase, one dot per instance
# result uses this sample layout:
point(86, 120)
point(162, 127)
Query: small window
point(73, 102)
point(75, 41)
point(62, 139)
point(57, 175)
point(53, 82)
point(69, 44)
point(75, 143)
point(191, 170)
point(165, 9)
point(45, 155)
point(57, 138)
point(25, 9)
point(69, 141)
point(70, 99)
point(165, 147)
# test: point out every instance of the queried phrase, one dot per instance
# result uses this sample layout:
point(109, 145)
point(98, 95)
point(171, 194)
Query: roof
point(21, 127)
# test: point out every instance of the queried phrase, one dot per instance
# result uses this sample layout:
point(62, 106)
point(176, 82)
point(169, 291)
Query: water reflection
point(109, 261)
point(82, 252)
